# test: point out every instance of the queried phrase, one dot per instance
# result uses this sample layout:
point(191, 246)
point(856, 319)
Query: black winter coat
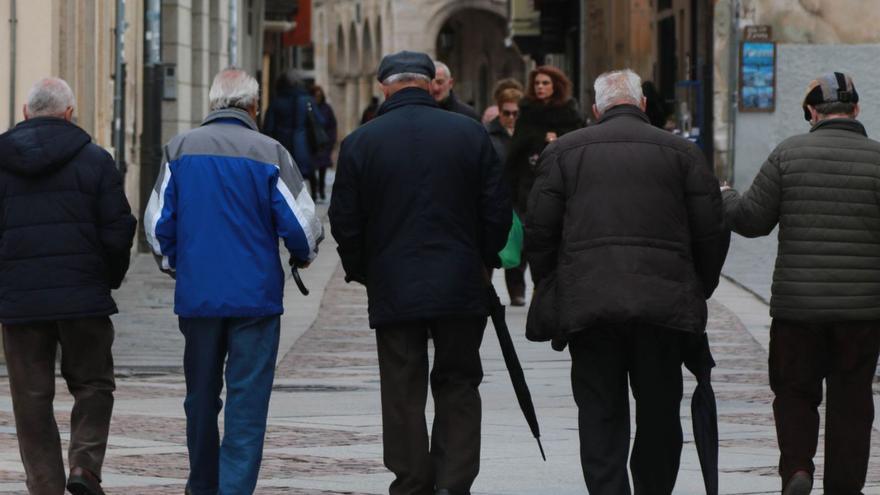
point(823, 190)
point(419, 210)
point(66, 228)
point(453, 104)
point(529, 140)
point(629, 218)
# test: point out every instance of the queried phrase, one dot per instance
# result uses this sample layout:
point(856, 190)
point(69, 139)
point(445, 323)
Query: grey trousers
point(87, 367)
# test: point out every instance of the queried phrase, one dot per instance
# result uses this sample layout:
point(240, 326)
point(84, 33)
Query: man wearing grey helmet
point(821, 188)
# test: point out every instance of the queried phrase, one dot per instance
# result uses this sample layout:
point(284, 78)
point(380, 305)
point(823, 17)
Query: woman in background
point(323, 158)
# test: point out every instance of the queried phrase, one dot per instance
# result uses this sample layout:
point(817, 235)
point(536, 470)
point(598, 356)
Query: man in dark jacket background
point(821, 189)
point(420, 212)
point(65, 242)
point(441, 90)
point(641, 212)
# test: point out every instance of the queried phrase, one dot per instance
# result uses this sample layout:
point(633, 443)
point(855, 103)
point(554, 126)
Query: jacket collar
point(630, 111)
point(851, 125)
point(407, 96)
point(231, 113)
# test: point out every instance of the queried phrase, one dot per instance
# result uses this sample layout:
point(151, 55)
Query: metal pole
point(233, 32)
point(733, 87)
point(13, 28)
point(119, 89)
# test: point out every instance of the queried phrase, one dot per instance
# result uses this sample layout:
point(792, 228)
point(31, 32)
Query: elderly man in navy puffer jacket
point(65, 240)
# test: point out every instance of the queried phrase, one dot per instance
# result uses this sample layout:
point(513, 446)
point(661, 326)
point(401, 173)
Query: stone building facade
point(350, 38)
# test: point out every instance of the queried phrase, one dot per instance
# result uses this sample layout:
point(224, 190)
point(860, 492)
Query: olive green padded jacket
point(823, 189)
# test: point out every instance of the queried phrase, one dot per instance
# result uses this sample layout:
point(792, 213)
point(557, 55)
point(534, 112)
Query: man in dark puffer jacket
point(629, 218)
point(822, 189)
point(65, 238)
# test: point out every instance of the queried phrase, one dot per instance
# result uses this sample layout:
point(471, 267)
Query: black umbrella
point(523, 396)
point(704, 412)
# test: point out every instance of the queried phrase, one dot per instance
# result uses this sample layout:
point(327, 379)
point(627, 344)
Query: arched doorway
point(471, 43)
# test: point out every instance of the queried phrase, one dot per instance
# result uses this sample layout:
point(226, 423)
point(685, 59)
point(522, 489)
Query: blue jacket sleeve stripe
point(298, 224)
point(157, 216)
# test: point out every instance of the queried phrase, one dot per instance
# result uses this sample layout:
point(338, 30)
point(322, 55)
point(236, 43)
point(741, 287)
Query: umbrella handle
point(299, 283)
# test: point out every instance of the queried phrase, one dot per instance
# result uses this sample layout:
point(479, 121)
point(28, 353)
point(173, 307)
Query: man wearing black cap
point(821, 188)
point(420, 213)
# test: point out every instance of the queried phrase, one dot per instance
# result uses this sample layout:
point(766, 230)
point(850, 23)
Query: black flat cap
point(405, 62)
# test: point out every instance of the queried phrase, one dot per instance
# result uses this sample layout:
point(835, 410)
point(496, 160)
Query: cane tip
point(541, 448)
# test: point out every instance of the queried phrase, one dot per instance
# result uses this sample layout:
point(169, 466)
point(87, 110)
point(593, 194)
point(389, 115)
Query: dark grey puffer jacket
point(823, 189)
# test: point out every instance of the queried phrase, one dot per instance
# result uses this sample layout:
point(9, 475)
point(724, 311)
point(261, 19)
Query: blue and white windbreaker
point(224, 196)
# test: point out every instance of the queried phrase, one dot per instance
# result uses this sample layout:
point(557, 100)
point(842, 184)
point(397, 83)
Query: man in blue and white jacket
point(223, 198)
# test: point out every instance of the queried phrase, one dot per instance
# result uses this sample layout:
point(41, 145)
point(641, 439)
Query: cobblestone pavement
point(324, 433)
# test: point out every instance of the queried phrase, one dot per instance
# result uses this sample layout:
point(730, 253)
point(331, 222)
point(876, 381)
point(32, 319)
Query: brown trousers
point(87, 367)
point(452, 460)
point(844, 355)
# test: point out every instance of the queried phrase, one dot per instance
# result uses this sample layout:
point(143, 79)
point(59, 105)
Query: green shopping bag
point(511, 255)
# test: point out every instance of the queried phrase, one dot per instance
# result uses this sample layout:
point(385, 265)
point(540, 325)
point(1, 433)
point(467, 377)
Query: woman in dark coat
point(286, 120)
point(547, 112)
point(323, 158)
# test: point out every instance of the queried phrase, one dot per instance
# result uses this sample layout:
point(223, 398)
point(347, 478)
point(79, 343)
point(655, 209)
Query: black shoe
point(517, 301)
point(799, 484)
point(83, 482)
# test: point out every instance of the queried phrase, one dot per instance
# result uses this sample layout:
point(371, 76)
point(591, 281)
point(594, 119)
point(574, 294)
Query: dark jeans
point(651, 358)
point(453, 459)
point(248, 346)
point(87, 367)
point(844, 354)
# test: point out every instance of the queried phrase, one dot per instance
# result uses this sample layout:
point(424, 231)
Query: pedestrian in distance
point(546, 113)
point(419, 211)
point(323, 158)
point(369, 113)
point(222, 199)
point(501, 132)
point(641, 253)
point(492, 112)
point(441, 90)
point(287, 121)
point(65, 242)
point(820, 189)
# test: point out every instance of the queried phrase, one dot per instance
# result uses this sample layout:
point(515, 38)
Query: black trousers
point(602, 361)
point(87, 367)
point(452, 458)
point(844, 355)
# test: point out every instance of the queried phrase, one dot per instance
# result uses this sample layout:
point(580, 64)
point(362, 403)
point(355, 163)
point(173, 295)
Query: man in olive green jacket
point(823, 189)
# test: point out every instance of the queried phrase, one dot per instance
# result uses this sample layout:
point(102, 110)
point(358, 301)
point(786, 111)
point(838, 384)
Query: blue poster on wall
point(757, 76)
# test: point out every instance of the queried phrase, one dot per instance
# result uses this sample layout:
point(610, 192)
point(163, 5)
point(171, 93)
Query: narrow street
point(324, 433)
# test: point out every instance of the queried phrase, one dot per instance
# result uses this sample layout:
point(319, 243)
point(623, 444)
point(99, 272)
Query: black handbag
point(315, 133)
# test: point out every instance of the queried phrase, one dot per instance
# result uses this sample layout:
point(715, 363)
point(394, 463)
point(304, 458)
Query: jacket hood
point(40, 145)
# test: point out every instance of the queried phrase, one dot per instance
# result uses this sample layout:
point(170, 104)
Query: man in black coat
point(65, 241)
point(441, 90)
point(420, 212)
point(642, 251)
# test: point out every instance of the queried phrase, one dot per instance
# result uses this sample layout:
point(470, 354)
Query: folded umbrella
point(704, 412)
point(517, 378)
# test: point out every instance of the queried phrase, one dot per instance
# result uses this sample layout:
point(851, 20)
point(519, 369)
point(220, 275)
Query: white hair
point(618, 87)
point(233, 87)
point(50, 97)
point(438, 65)
point(405, 77)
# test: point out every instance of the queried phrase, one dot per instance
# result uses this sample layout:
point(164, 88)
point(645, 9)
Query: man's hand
point(298, 263)
point(550, 137)
point(725, 186)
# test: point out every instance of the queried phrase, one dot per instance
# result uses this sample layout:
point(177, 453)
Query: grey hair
point(50, 97)
point(438, 65)
point(618, 87)
point(233, 87)
point(405, 77)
